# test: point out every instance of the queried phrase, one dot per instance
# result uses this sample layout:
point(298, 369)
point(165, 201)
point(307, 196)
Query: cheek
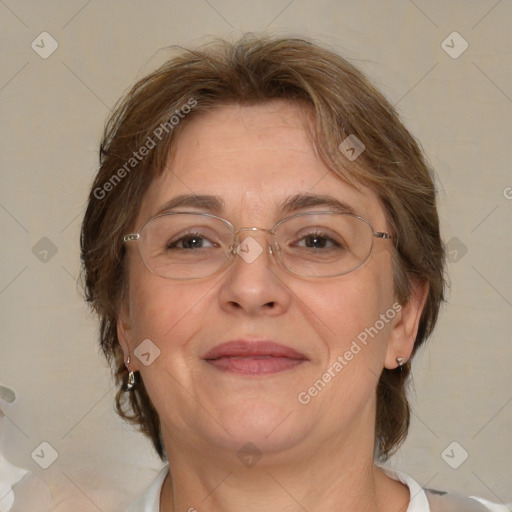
point(360, 317)
point(170, 315)
point(349, 309)
point(157, 306)
point(163, 310)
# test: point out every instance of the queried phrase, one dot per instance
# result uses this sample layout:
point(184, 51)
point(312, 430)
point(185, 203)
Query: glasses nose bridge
point(270, 231)
point(238, 241)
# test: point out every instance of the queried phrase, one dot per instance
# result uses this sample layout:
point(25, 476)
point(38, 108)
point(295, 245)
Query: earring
point(130, 382)
point(400, 361)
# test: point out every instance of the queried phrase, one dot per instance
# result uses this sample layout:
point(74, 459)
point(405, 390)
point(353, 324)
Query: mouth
point(253, 357)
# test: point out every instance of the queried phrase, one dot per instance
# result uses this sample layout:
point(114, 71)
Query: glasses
point(185, 245)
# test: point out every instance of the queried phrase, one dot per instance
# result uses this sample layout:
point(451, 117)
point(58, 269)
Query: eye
point(191, 241)
point(316, 241)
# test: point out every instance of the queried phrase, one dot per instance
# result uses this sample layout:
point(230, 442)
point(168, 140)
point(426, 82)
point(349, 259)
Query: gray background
point(53, 110)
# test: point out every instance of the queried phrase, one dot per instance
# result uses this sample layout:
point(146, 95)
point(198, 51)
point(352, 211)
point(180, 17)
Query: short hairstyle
point(255, 70)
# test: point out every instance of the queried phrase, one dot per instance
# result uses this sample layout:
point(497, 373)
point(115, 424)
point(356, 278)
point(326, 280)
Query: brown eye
point(191, 241)
point(317, 242)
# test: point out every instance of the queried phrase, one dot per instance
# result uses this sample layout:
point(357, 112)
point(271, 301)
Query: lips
point(253, 357)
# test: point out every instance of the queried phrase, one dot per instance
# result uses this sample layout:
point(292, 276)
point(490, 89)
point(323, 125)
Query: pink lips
point(253, 357)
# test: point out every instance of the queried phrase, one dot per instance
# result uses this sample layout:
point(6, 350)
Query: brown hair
point(256, 70)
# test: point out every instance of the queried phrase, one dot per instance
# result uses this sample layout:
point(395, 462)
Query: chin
point(269, 427)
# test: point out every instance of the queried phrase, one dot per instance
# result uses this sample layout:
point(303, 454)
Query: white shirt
point(150, 500)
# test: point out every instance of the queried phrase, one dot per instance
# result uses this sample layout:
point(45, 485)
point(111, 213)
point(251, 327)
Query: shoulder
point(150, 500)
point(441, 501)
point(430, 500)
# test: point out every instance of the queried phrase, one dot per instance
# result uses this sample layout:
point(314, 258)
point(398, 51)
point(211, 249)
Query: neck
point(330, 478)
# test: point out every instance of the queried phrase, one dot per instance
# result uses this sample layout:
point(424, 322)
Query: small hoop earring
point(128, 361)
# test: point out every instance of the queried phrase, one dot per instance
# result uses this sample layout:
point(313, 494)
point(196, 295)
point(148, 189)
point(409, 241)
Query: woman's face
point(254, 159)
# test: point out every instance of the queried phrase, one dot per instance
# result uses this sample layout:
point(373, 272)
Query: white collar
point(150, 500)
point(418, 501)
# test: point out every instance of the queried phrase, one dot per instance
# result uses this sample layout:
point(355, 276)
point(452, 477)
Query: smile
point(253, 358)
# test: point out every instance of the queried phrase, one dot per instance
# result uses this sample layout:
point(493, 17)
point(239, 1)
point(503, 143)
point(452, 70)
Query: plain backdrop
point(53, 110)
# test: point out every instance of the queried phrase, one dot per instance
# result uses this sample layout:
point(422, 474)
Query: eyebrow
point(304, 201)
point(212, 204)
point(215, 205)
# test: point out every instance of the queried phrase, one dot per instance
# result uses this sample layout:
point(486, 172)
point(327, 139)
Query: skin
point(318, 456)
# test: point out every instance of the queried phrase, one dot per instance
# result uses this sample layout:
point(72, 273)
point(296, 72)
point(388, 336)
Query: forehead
point(254, 158)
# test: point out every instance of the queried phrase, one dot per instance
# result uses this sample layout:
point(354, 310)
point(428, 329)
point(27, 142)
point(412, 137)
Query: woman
point(262, 247)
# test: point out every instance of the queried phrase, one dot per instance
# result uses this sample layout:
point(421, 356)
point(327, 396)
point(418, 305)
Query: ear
point(125, 335)
point(405, 328)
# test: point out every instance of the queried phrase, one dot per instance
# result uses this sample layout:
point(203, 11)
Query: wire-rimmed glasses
point(189, 245)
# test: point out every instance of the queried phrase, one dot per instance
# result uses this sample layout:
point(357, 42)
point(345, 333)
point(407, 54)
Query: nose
point(254, 283)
